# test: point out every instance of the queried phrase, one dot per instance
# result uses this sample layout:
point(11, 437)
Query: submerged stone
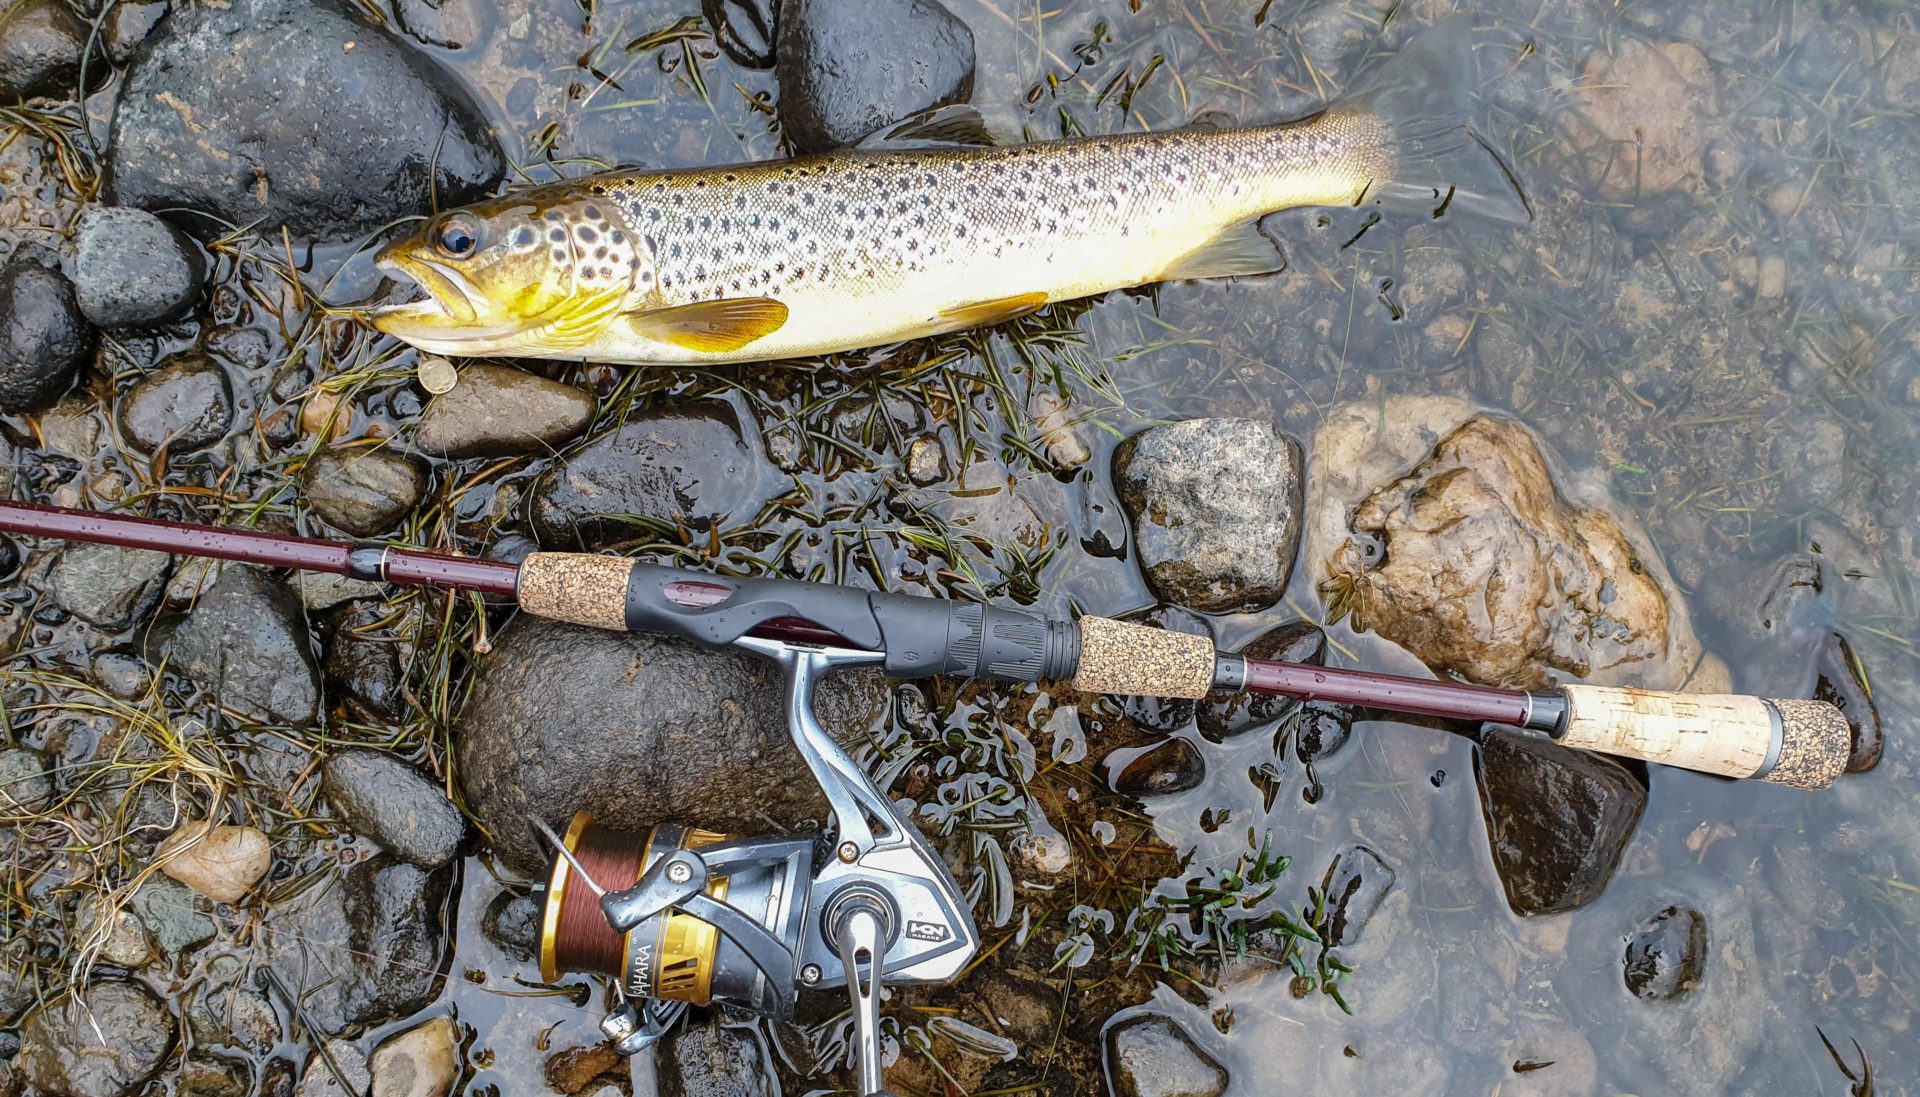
point(1638, 117)
point(394, 804)
point(1557, 820)
point(648, 730)
point(105, 1043)
point(1357, 882)
point(133, 270)
point(1667, 956)
point(1215, 506)
point(184, 405)
point(1840, 680)
point(686, 467)
point(1151, 1056)
point(848, 68)
point(1173, 766)
point(246, 641)
point(713, 1061)
point(108, 586)
point(332, 128)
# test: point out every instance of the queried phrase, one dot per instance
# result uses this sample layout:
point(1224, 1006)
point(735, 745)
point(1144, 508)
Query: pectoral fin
point(712, 327)
point(997, 311)
point(1238, 250)
point(576, 321)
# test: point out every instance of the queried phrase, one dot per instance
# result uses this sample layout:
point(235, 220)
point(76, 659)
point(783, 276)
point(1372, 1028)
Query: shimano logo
point(928, 931)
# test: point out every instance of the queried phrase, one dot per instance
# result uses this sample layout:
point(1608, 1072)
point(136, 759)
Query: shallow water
point(1736, 357)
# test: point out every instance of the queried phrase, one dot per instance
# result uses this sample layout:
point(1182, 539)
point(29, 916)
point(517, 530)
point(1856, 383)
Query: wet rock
point(123, 943)
point(333, 129)
point(129, 24)
point(341, 1072)
point(363, 667)
point(1357, 882)
point(105, 585)
point(1215, 506)
point(1151, 1056)
point(133, 270)
point(926, 460)
point(236, 1018)
point(1667, 955)
point(576, 1068)
point(120, 673)
point(178, 918)
point(18, 990)
point(220, 862)
point(1839, 680)
point(714, 1061)
point(497, 411)
point(420, 1062)
point(108, 1046)
point(193, 575)
point(211, 1077)
point(367, 945)
point(1039, 856)
point(1639, 113)
point(184, 405)
point(846, 69)
point(1173, 766)
point(42, 44)
point(394, 804)
point(318, 592)
point(1476, 564)
point(649, 730)
point(512, 921)
point(363, 493)
point(246, 641)
point(685, 467)
point(25, 786)
point(449, 24)
point(1557, 820)
point(44, 339)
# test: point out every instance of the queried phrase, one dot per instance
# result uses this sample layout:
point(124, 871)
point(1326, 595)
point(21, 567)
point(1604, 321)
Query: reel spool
point(675, 955)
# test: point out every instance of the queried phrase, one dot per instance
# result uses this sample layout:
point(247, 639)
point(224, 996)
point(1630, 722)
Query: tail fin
point(1444, 164)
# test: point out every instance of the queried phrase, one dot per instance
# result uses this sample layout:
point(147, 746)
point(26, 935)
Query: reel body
point(682, 917)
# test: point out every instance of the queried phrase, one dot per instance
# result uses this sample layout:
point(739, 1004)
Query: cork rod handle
point(576, 587)
point(1802, 744)
point(1116, 657)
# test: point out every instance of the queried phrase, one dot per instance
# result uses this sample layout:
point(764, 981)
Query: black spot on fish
point(593, 213)
point(676, 251)
point(553, 215)
point(606, 272)
point(617, 237)
point(557, 235)
point(521, 237)
point(586, 235)
point(559, 255)
point(600, 252)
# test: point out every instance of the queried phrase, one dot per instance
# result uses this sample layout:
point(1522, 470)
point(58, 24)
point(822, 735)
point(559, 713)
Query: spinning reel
point(685, 917)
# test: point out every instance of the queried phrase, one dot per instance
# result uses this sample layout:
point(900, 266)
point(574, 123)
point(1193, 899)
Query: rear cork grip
point(1137, 660)
point(577, 587)
point(1802, 744)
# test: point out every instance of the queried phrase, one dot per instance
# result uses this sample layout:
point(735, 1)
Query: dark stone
point(363, 492)
point(1839, 680)
point(108, 1045)
point(498, 411)
point(332, 129)
point(847, 68)
point(449, 24)
point(184, 405)
point(178, 918)
point(25, 786)
point(41, 46)
point(362, 666)
point(1357, 882)
point(682, 468)
point(1173, 766)
point(394, 804)
point(1557, 819)
point(44, 339)
point(133, 270)
point(365, 947)
point(18, 989)
point(107, 586)
point(120, 673)
point(1149, 1055)
point(246, 641)
point(512, 921)
point(1667, 956)
point(212, 1076)
point(714, 1061)
point(9, 549)
point(129, 24)
point(1221, 715)
point(1215, 508)
point(647, 730)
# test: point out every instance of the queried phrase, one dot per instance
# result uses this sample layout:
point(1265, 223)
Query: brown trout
point(858, 248)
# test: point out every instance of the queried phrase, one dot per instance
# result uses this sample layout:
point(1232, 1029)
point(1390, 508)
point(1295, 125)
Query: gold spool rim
point(556, 897)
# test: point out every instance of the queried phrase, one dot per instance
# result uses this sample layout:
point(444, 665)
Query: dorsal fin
point(957, 126)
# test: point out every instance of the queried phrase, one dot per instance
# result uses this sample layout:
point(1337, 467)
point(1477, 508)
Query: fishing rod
point(682, 916)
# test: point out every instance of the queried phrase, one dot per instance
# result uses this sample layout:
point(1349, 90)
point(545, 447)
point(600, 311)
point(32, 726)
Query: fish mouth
point(448, 303)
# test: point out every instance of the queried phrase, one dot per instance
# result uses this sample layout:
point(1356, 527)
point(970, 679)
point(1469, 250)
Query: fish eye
point(458, 236)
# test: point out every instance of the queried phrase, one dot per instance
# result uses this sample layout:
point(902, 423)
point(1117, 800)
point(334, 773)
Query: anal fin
point(712, 327)
point(995, 311)
point(1238, 250)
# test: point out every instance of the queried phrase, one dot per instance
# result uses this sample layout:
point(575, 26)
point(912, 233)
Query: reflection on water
point(1711, 313)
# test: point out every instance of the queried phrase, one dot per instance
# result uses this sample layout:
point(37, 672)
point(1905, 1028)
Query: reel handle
point(1800, 744)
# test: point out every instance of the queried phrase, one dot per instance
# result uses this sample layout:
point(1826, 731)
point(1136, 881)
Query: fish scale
point(844, 250)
